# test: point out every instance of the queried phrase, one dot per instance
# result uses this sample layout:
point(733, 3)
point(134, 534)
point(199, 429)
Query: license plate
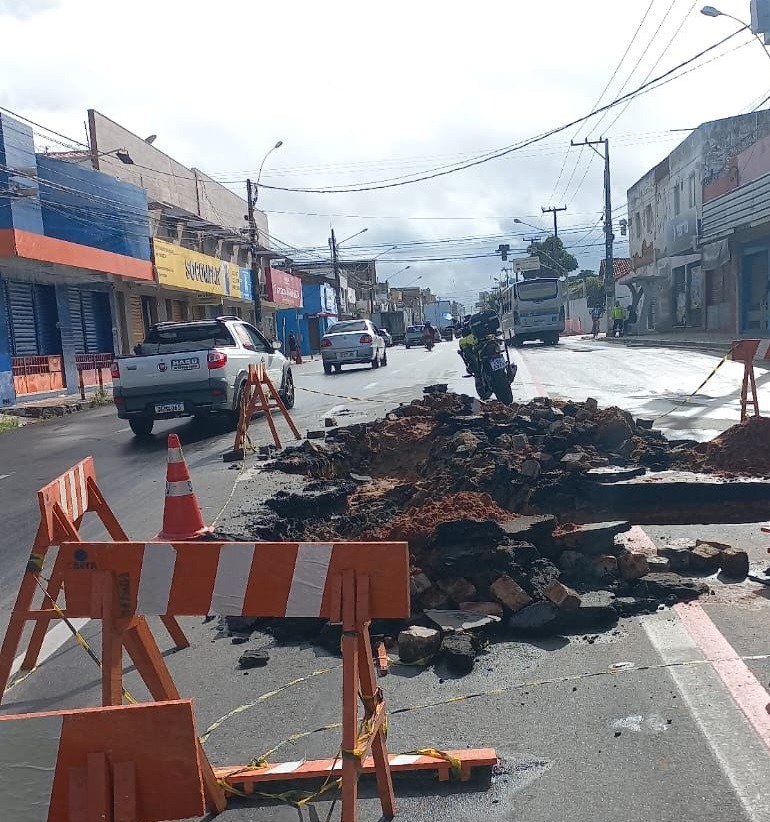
point(169, 407)
point(497, 364)
point(349, 355)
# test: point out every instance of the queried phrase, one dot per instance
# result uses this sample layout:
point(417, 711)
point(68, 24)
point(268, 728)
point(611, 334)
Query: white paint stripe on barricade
point(63, 494)
point(762, 350)
point(180, 488)
point(286, 767)
point(404, 759)
point(73, 494)
point(156, 579)
point(83, 489)
point(309, 579)
point(29, 750)
point(232, 579)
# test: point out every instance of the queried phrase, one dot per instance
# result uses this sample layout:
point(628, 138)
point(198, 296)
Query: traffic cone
point(182, 518)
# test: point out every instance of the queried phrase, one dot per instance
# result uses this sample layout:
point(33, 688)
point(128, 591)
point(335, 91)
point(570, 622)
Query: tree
point(555, 260)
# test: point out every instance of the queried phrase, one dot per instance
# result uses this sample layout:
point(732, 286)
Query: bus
point(533, 310)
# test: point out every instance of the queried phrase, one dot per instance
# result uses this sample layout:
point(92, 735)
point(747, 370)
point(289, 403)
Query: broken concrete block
point(665, 585)
point(254, 659)
point(534, 529)
point(458, 589)
point(534, 618)
point(451, 621)
point(704, 559)
point(734, 563)
point(459, 653)
point(574, 461)
point(519, 442)
point(241, 625)
point(316, 435)
point(483, 608)
point(563, 597)
point(604, 567)
point(434, 598)
point(418, 643)
point(510, 593)
point(570, 561)
point(593, 538)
point(678, 557)
point(591, 405)
point(583, 415)
point(720, 546)
point(419, 584)
point(658, 565)
point(613, 432)
point(556, 427)
point(633, 566)
point(530, 469)
point(330, 422)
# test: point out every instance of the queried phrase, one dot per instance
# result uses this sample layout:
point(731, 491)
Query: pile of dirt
point(742, 449)
point(416, 525)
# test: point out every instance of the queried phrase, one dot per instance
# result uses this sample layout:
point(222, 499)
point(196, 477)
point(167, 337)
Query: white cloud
point(365, 91)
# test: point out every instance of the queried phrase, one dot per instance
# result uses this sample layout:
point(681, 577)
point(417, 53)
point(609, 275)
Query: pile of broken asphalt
point(487, 496)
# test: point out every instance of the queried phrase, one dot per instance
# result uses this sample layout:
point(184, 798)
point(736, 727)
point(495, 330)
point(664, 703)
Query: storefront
point(311, 321)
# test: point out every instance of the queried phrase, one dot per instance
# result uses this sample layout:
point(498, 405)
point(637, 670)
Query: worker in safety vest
point(618, 316)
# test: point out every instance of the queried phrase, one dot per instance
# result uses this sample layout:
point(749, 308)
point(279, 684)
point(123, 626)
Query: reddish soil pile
point(417, 524)
point(742, 449)
point(400, 447)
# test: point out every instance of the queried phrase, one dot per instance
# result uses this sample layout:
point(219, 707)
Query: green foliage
point(555, 260)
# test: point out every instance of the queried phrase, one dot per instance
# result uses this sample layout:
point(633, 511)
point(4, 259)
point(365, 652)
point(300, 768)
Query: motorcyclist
point(428, 333)
point(467, 344)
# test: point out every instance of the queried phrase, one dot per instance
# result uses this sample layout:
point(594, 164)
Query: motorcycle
point(429, 344)
point(488, 359)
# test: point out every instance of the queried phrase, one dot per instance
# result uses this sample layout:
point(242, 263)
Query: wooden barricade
point(63, 504)
point(747, 352)
point(259, 394)
point(132, 763)
point(350, 583)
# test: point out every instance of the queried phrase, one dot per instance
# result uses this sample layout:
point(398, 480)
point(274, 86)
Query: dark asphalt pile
point(483, 494)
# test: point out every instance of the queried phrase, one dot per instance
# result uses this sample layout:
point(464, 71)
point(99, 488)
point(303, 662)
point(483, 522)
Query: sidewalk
point(47, 407)
point(686, 339)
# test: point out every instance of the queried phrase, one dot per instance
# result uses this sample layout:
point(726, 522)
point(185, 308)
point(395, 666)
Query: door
point(149, 313)
point(754, 269)
point(314, 332)
point(272, 359)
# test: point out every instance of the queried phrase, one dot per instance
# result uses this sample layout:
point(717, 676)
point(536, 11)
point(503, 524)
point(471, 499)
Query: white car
point(352, 342)
point(193, 369)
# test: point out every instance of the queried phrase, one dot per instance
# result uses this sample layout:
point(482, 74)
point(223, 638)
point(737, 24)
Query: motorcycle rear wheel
point(502, 387)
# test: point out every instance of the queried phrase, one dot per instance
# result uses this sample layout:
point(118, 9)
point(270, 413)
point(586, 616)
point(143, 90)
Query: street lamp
point(362, 231)
point(710, 11)
point(529, 225)
point(400, 271)
point(252, 194)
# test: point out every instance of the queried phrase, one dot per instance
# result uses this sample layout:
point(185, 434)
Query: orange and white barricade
point(349, 583)
point(259, 394)
point(132, 763)
point(63, 504)
point(749, 352)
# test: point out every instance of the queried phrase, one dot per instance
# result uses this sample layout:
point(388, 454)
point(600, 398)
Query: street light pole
point(333, 246)
point(252, 195)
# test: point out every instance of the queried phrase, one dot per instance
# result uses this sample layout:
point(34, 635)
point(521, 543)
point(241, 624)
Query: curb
point(45, 412)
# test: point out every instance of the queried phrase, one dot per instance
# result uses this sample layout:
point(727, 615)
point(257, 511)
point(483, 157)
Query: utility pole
point(609, 237)
point(253, 252)
point(554, 210)
point(336, 269)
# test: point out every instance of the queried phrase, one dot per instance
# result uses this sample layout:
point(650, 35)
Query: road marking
point(370, 385)
point(54, 639)
point(5, 476)
point(739, 751)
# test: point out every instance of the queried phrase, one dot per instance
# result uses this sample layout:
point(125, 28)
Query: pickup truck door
point(264, 352)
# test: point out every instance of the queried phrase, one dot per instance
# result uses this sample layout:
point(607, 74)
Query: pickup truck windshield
point(543, 290)
point(167, 339)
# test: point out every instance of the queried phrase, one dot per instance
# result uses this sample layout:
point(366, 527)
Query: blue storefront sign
point(247, 293)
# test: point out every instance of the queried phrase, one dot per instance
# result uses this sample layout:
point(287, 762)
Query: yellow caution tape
point(35, 563)
point(454, 762)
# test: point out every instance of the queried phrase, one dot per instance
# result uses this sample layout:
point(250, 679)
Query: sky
point(367, 92)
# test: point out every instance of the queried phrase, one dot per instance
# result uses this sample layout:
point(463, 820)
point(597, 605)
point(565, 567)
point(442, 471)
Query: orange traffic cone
point(182, 518)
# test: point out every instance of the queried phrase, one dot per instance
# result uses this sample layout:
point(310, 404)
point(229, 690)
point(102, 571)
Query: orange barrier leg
point(282, 407)
point(266, 408)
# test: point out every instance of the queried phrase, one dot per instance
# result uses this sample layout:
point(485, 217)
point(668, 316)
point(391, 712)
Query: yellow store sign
point(181, 268)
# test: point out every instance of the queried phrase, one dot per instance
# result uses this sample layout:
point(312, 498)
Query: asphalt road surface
point(663, 718)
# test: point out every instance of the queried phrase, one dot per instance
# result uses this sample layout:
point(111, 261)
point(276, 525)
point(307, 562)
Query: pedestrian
point(618, 319)
point(596, 314)
point(294, 352)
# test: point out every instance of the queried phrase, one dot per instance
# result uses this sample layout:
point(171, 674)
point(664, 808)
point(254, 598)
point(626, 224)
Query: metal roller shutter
point(21, 309)
point(135, 321)
point(46, 319)
point(102, 322)
point(177, 311)
point(76, 319)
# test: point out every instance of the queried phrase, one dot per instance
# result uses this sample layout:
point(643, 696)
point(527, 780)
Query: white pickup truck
point(185, 369)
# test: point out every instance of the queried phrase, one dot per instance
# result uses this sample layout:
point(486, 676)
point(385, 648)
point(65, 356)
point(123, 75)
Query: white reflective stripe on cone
point(309, 579)
point(180, 488)
point(175, 455)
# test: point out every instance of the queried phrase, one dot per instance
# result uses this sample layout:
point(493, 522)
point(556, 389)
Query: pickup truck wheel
point(327, 368)
point(287, 391)
point(141, 426)
point(235, 414)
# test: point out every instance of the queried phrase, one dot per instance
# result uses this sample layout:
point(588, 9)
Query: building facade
point(311, 320)
point(698, 230)
point(69, 237)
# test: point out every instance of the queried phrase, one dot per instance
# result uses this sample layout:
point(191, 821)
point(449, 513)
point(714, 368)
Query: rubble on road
point(487, 496)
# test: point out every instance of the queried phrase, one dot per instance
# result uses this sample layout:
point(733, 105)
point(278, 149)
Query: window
point(638, 218)
point(692, 189)
point(677, 200)
point(260, 343)
point(352, 325)
point(648, 218)
point(538, 290)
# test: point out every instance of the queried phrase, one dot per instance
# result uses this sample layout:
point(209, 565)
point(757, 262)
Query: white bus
point(533, 310)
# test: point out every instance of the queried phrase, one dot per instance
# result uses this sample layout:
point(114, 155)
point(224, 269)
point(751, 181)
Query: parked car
point(414, 335)
point(185, 369)
point(385, 334)
point(352, 342)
